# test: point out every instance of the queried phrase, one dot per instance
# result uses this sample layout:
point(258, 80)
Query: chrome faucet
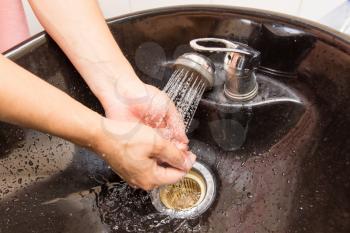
point(240, 65)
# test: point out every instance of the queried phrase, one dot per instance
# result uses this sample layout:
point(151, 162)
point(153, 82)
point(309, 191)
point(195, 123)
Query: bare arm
point(29, 101)
point(80, 30)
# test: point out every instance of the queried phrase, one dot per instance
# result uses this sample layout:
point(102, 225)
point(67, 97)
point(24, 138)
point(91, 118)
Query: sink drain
point(190, 197)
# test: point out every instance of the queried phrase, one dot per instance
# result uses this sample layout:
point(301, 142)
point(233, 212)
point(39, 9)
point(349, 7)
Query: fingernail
point(186, 139)
point(189, 161)
point(181, 146)
point(193, 157)
point(185, 136)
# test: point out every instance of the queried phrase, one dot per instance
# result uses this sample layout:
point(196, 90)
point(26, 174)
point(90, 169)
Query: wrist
point(106, 78)
point(106, 142)
point(86, 129)
point(120, 88)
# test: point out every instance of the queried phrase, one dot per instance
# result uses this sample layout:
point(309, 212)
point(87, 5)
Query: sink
point(281, 166)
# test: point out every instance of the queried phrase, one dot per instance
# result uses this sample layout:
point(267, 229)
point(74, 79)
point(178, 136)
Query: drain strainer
point(188, 198)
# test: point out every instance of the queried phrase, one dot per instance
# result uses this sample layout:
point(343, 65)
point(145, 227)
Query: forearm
point(80, 30)
point(28, 101)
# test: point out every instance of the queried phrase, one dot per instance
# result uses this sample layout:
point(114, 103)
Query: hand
point(99, 60)
point(132, 100)
point(140, 155)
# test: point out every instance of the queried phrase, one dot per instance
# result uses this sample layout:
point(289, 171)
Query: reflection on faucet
point(240, 64)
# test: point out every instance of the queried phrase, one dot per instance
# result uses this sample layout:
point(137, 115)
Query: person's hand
point(140, 155)
point(95, 54)
point(129, 99)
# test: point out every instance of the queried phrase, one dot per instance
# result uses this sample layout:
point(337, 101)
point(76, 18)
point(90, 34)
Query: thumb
point(168, 175)
point(170, 154)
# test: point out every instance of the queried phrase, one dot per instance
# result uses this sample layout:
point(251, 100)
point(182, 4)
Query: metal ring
point(241, 97)
point(199, 209)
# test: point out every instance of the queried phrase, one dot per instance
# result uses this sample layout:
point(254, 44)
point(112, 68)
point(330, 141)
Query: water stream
point(125, 209)
point(185, 88)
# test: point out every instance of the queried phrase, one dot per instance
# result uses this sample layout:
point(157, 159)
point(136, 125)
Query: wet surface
point(291, 173)
point(127, 210)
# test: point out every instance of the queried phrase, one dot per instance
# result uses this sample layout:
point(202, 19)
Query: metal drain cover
point(188, 198)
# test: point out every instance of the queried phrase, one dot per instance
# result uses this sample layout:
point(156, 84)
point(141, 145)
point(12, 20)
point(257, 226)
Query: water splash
point(129, 210)
point(125, 209)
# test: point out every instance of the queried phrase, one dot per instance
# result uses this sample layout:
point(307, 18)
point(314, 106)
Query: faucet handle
point(240, 64)
point(230, 46)
point(245, 58)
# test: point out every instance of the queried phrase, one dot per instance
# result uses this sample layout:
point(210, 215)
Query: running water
point(125, 209)
point(185, 88)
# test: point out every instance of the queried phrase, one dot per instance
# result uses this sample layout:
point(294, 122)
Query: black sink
point(291, 173)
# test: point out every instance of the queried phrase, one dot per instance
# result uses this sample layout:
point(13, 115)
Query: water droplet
point(249, 195)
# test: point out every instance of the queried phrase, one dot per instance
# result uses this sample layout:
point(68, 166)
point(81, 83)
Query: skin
point(142, 130)
point(13, 23)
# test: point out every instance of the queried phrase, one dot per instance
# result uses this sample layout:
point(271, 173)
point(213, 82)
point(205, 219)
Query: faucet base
point(241, 97)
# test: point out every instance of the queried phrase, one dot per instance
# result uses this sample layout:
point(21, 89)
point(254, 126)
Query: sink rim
point(323, 32)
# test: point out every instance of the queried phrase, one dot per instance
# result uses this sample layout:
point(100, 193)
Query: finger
point(168, 175)
point(167, 134)
point(192, 157)
point(148, 187)
point(163, 114)
point(180, 146)
point(167, 152)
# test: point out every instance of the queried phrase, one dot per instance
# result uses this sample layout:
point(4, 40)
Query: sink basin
point(281, 166)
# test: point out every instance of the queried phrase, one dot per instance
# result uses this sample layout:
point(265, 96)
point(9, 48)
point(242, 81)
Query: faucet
point(228, 105)
point(240, 65)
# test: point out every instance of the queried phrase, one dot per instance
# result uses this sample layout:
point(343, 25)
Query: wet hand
point(140, 155)
point(132, 100)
